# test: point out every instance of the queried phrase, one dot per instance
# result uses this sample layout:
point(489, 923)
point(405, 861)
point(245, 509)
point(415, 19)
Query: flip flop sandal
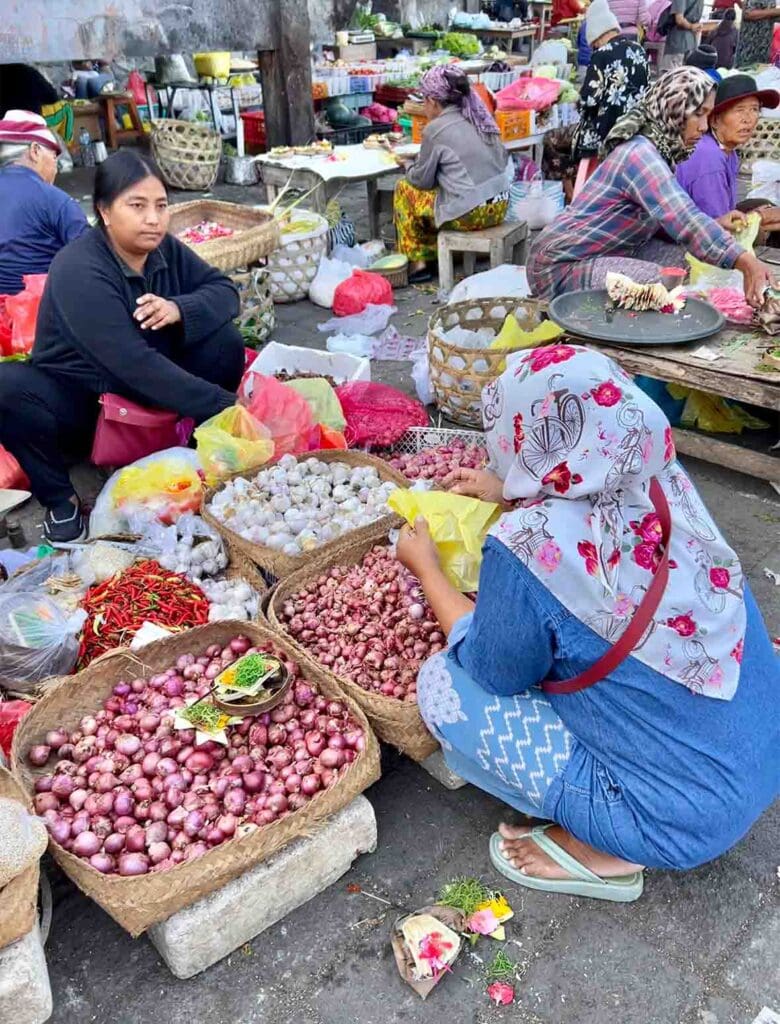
point(623, 889)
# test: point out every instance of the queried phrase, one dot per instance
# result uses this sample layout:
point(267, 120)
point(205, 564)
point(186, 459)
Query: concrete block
point(200, 935)
point(25, 993)
point(436, 766)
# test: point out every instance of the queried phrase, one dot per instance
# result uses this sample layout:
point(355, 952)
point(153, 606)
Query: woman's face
point(432, 108)
point(137, 220)
point(735, 125)
point(697, 123)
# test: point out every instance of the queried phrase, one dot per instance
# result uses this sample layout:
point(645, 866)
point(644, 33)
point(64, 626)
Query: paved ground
point(699, 948)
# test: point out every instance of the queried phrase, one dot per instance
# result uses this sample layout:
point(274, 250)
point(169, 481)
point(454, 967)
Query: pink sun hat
point(22, 127)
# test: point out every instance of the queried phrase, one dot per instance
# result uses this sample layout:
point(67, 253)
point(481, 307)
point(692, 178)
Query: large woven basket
point(293, 266)
point(257, 317)
point(138, 903)
point(459, 374)
point(255, 232)
point(764, 144)
point(394, 721)
point(18, 899)
point(280, 565)
point(187, 153)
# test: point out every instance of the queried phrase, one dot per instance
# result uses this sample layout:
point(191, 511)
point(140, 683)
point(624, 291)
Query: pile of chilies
point(130, 794)
point(368, 623)
point(439, 461)
point(145, 592)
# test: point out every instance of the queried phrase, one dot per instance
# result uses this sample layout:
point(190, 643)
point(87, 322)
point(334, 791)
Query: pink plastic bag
point(23, 312)
point(360, 290)
point(285, 413)
point(12, 476)
point(376, 414)
point(11, 714)
point(127, 432)
point(529, 94)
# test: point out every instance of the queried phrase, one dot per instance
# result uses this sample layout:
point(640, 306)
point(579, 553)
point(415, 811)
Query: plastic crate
point(254, 131)
point(515, 124)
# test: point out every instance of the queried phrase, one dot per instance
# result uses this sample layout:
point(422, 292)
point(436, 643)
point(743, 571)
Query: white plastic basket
point(417, 439)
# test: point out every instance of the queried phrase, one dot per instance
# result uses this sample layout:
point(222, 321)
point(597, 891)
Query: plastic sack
point(11, 714)
point(23, 312)
point(377, 414)
point(703, 276)
point(457, 525)
point(25, 838)
point(712, 413)
point(285, 414)
point(506, 281)
point(37, 640)
point(330, 274)
point(360, 290)
point(421, 375)
point(325, 406)
point(160, 487)
point(529, 94)
point(371, 320)
point(230, 442)
point(12, 476)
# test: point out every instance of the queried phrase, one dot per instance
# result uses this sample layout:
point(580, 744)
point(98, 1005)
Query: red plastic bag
point(285, 413)
point(529, 94)
point(23, 311)
point(360, 290)
point(323, 437)
point(11, 714)
point(12, 476)
point(377, 415)
point(6, 329)
point(774, 52)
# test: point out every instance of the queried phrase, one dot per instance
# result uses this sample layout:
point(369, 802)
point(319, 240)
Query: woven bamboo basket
point(187, 153)
point(394, 721)
point(293, 266)
point(257, 317)
point(256, 233)
point(18, 899)
point(138, 903)
point(764, 144)
point(278, 564)
point(459, 374)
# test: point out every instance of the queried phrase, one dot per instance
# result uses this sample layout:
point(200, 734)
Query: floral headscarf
point(662, 113)
point(572, 435)
point(451, 86)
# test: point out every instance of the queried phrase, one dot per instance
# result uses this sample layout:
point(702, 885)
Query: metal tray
point(583, 313)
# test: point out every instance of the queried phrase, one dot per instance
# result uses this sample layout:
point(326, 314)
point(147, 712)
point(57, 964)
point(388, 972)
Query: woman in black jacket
point(128, 309)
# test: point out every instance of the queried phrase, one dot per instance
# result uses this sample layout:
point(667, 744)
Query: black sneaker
point(64, 524)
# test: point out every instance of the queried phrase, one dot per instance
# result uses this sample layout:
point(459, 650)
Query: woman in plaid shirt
point(633, 194)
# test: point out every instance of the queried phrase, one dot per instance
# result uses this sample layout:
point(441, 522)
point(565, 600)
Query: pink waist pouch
point(127, 431)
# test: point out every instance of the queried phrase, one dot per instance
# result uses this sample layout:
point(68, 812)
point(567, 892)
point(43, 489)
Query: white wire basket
point(417, 439)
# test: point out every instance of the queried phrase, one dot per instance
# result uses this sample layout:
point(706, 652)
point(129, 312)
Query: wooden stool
point(501, 243)
point(109, 102)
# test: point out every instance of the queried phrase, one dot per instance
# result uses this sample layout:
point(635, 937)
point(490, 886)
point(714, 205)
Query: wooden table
point(510, 36)
point(542, 9)
point(734, 375)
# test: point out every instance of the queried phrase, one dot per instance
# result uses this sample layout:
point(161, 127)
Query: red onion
point(133, 864)
point(254, 781)
point(135, 839)
point(166, 766)
point(156, 832)
point(44, 784)
point(331, 758)
point(114, 843)
point(56, 737)
point(39, 754)
point(240, 645)
point(177, 817)
point(215, 836)
point(277, 803)
point(159, 851)
point(226, 823)
point(45, 802)
point(62, 786)
point(234, 801)
point(194, 822)
point(127, 744)
point(86, 844)
point(124, 823)
point(199, 762)
point(310, 784)
point(101, 862)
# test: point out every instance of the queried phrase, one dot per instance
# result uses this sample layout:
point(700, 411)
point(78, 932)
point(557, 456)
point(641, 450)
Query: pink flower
point(607, 394)
point(647, 448)
point(561, 477)
point(483, 922)
point(501, 993)
point(519, 437)
point(541, 358)
point(587, 550)
point(624, 606)
point(549, 555)
point(669, 450)
point(720, 578)
point(649, 529)
point(682, 624)
point(736, 654)
point(503, 443)
point(433, 948)
point(647, 556)
point(614, 558)
point(716, 676)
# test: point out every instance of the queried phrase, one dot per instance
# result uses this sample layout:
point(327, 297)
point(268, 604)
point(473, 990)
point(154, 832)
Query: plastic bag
point(162, 486)
point(323, 438)
point(281, 410)
point(529, 94)
point(513, 336)
point(703, 276)
point(421, 375)
point(360, 345)
point(11, 714)
point(506, 281)
point(377, 414)
point(330, 274)
point(325, 406)
point(457, 525)
point(230, 442)
point(12, 476)
point(23, 311)
point(371, 320)
point(360, 290)
point(713, 413)
point(354, 255)
point(37, 640)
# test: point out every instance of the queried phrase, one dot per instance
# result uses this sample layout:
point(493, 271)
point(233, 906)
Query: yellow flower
point(500, 907)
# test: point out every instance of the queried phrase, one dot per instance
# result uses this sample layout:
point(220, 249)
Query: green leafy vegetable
point(464, 894)
point(501, 968)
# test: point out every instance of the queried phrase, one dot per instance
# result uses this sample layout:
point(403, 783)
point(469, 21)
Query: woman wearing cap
point(611, 224)
point(709, 176)
point(459, 179)
point(704, 57)
point(36, 218)
point(615, 81)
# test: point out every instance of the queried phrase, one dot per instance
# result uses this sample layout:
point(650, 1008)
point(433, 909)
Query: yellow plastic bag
point(513, 336)
point(325, 406)
point(458, 526)
point(230, 442)
point(712, 413)
point(704, 276)
point(165, 486)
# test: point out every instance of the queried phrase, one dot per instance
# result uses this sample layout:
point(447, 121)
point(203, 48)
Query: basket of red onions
point(362, 618)
point(154, 798)
point(432, 453)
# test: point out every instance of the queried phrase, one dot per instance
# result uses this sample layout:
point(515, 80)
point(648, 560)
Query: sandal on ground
point(422, 276)
point(623, 889)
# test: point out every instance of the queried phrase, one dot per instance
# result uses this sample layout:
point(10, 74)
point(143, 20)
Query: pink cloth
point(631, 14)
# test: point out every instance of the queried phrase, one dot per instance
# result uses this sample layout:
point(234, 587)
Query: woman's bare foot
point(526, 856)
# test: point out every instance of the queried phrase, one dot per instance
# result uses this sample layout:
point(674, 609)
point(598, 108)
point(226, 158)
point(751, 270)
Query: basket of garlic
point(278, 516)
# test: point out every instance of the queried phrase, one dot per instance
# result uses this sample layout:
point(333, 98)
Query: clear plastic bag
point(231, 442)
point(371, 320)
point(330, 273)
point(37, 640)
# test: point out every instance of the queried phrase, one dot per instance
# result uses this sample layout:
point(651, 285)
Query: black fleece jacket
point(86, 334)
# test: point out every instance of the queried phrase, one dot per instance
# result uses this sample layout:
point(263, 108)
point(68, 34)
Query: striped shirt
point(631, 195)
point(631, 14)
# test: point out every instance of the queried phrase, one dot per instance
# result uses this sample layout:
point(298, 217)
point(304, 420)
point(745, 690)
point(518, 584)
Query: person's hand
point(475, 483)
point(154, 312)
point(770, 217)
point(732, 221)
point(756, 278)
point(416, 550)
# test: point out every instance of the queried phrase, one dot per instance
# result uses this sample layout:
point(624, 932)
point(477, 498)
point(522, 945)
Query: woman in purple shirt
point(710, 175)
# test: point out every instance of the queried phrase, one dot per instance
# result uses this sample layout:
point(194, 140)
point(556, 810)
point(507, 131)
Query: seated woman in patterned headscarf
point(459, 179)
point(633, 193)
point(615, 676)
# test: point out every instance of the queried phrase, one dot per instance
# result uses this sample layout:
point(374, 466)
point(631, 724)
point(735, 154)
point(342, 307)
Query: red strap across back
point(642, 616)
